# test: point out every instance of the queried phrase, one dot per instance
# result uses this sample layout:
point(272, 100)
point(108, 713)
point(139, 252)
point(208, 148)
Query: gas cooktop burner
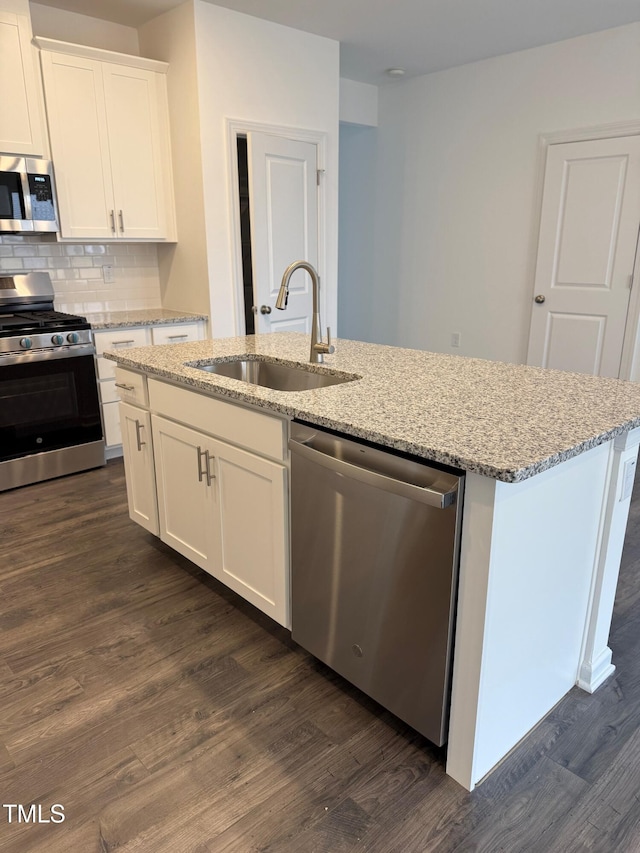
point(38, 320)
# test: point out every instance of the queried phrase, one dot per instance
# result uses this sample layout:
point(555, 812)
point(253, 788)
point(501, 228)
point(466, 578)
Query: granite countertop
point(504, 421)
point(141, 317)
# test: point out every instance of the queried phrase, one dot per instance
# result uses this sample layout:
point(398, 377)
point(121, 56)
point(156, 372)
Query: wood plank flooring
point(168, 716)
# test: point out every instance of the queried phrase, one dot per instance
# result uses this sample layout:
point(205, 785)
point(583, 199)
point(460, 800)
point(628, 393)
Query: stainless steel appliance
point(49, 410)
point(27, 196)
point(375, 539)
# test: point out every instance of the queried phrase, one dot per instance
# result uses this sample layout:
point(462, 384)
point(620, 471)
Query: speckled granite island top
point(504, 421)
point(141, 317)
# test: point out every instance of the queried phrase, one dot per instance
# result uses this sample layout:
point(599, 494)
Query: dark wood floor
point(166, 715)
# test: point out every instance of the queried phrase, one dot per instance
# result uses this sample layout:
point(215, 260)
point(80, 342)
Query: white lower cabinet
point(224, 509)
point(252, 500)
point(137, 449)
point(125, 338)
point(187, 495)
point(222, 506)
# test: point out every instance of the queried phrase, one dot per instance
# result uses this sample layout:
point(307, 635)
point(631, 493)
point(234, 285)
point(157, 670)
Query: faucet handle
point(319, 348)
point(330, 346)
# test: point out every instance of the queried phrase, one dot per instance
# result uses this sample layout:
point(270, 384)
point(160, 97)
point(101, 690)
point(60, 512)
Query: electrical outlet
point(455, 339)
point(108, 273)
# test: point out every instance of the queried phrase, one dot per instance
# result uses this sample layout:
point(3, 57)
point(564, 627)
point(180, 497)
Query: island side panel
point(529, 555)
point(596, 659)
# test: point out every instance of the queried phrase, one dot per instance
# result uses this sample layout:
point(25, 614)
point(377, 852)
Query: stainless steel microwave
point(27, 196)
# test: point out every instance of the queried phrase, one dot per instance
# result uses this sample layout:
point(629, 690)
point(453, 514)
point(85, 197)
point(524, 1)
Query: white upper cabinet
point(109, 132)
point(133, 97)
point(20, 125)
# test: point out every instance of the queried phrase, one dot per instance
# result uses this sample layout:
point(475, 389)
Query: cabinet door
point(188, 508)
point(20, 126)
point(137, 449)
point(132, 100)
point(79, 145)
point(254, 558)
point(111, 421)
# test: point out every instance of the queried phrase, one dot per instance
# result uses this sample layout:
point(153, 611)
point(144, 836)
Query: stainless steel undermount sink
point(269, 374)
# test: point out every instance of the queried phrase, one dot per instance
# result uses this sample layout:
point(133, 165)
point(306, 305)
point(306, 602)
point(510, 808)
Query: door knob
point(539, 299)
point(265, 309)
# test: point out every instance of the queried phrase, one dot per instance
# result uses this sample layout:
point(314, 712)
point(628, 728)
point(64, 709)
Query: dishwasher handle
point(423, 494)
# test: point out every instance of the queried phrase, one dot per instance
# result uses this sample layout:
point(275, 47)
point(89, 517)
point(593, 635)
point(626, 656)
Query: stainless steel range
point(49, 409)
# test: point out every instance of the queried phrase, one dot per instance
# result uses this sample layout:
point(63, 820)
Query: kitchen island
point(549, 460)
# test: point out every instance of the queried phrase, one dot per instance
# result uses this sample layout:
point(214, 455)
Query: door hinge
point(319, 172)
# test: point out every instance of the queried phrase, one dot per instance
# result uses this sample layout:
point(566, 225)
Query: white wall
point(225, 65)
point(258, 71)
point(455, 177)
point(358, 103)
point(356, 250)
point(184, 272)
point(82, 29)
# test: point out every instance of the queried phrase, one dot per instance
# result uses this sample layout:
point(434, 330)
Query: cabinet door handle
point(210, 458)
point(121, 218)
point(200, 471)
point(206, 470)
point(139, 441)
point(112, 214)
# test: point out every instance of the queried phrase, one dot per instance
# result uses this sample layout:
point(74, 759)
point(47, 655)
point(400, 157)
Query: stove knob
point(57, 340)
point(73, 337)
point(26, 343)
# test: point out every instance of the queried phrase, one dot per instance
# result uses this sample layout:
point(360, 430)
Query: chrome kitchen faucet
point(318, 346)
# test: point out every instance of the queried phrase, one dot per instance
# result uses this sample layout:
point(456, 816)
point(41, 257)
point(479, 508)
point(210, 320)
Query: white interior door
point(283, 199)
point(586, 251)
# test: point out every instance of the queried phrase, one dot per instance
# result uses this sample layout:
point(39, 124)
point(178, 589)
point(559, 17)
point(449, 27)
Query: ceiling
point(419, 36)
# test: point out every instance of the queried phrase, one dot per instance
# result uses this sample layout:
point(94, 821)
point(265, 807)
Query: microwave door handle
point(26, 196)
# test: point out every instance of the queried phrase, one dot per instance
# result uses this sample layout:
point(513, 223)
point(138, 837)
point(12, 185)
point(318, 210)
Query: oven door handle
point(47, 354)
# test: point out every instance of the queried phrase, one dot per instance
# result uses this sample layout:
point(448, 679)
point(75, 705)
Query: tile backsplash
point(78, 276)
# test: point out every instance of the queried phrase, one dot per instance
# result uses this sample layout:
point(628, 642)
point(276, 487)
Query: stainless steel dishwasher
point(375, 540)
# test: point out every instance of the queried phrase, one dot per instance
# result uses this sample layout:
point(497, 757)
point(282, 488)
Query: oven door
point(48, 401)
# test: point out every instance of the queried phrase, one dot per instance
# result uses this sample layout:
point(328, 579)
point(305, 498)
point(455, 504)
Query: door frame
point(630, 344)
point(240, 127)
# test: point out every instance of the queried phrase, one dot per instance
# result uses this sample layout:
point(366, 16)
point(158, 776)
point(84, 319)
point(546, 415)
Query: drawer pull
point(122, 343)
point(125, 387)
point(176, 337)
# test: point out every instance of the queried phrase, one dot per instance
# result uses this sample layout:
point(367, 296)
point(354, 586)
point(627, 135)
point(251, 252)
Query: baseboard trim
point(594, 673)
